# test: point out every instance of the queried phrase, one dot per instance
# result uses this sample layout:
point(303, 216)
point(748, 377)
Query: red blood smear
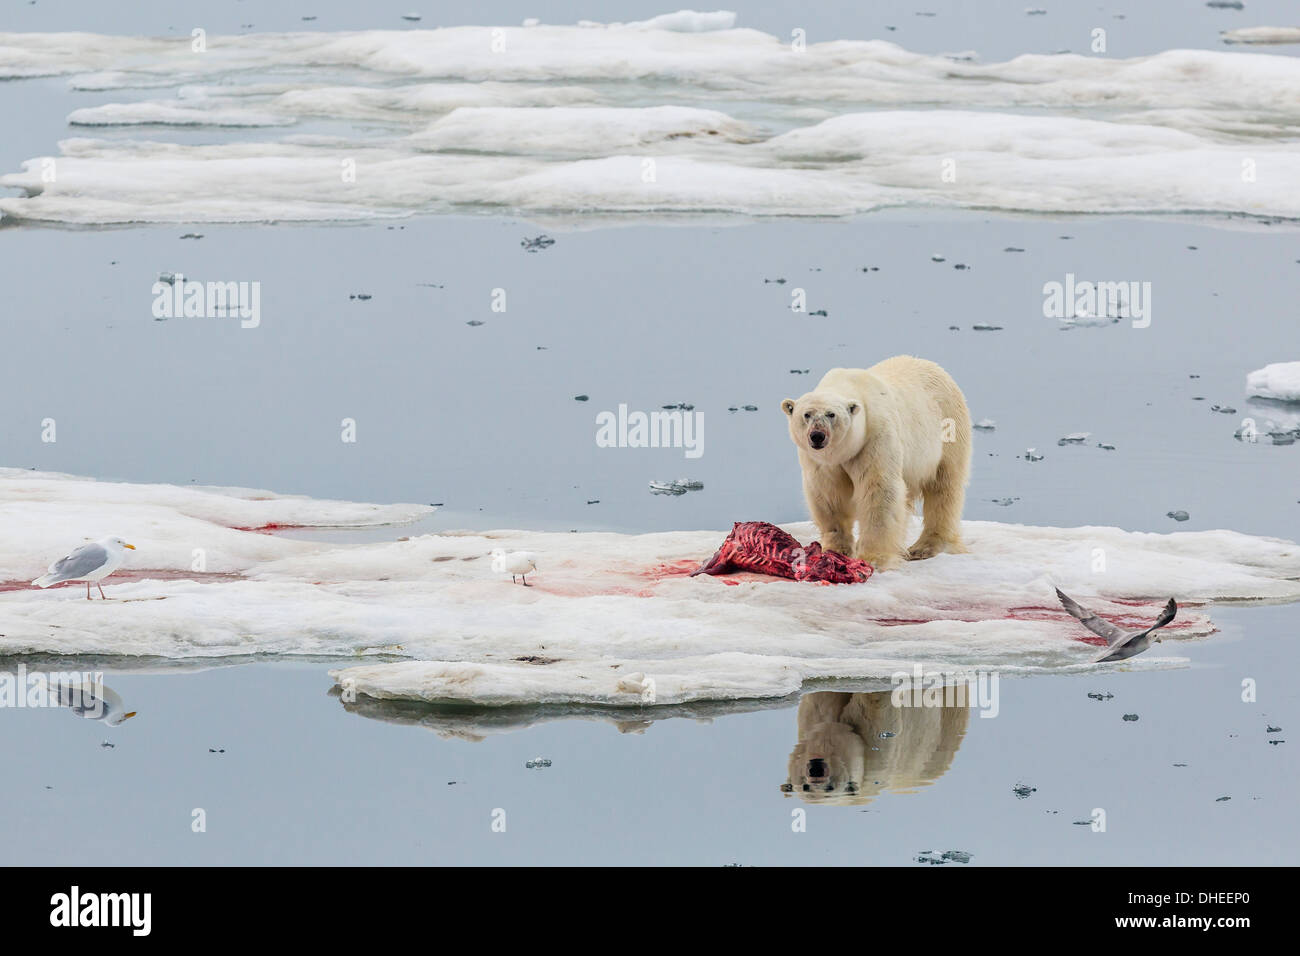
point(269, 528)
point(132, 574)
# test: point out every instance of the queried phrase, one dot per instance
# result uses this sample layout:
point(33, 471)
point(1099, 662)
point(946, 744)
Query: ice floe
point(683, 114)
point(1279, 381)
point(610, 619)
point(1262, 35)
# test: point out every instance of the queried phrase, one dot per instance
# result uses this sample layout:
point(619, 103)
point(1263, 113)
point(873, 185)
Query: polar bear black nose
point(817, 767)
point(817, 439)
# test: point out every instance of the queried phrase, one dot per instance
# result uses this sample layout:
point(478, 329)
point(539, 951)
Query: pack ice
point(611, 619)
point(550, 119)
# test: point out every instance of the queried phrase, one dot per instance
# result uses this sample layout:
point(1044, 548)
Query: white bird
point(514, 563)
point(94, 701)
point(90, 562)
point(1121, 645)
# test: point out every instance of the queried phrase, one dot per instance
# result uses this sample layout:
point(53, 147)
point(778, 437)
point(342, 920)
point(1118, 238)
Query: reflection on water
point(853, 747)
point(82, 692)
point(477, 723)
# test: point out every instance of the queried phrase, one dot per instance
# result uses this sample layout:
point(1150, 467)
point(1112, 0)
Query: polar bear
point(873, 443)
point(842, 758)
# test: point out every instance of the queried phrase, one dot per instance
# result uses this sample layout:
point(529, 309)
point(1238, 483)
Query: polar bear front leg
point(830, 501)
point(882, 519)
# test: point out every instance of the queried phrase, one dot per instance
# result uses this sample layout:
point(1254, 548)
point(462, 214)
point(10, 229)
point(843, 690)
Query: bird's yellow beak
point(132, 714)
point(131, 546)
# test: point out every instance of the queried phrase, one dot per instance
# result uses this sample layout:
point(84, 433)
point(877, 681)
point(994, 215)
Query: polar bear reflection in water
point(841, 757)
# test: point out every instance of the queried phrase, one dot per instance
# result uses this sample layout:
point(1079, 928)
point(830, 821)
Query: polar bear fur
point(840, 757)
point(873, 443)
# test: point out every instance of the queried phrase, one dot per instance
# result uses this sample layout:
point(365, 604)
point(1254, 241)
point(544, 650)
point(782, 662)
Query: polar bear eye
point(830, 416)
point(807, 416)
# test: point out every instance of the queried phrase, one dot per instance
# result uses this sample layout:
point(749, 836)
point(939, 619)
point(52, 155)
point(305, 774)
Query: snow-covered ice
point(1279, 381)
point(610, 619)
point(565, 118)
point(1262, 35)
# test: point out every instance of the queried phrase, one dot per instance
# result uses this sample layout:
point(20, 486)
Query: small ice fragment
point(1013, 249)
point(887, 734)
point(537, 243)
point(1023, 790)
point(1269, 729)
point(1279, 381)
point(1106, 696)
point(1224, 409)
point(820, 312)
point(985, 327)
point(1106, 445)
point(986, 424)
point(538, 762)
point(683, 406)
point(750, 408)
point(960, 266)
point(1282, 438)
point(581, 398)
point(168, 277)
point(107, 746)
point(1221, 799)
point(666, 488)
point(413, 17)
point(192, 235)
point(474, 322)
point(1074, 438)
point(1225, 4)
point(1034, 11)
point(1130, 717)
point(1177, 515)
point(531, 21)
point(937, 258)
point(1004, 502)
point(1031, 454)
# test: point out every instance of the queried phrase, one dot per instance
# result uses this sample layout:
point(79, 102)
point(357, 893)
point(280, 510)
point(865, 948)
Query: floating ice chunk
point(1279, 381)
point(1177, 515)
point(537, 243)
point(611, 605)
point(678, 487)
point(1074, 438)
point(688, 21)
point(985, 425)
point(1031, 454)
point(1262, 35)
point(165, 114)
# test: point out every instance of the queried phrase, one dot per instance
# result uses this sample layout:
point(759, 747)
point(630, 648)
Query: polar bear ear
point(788, 406)
point(854, 407)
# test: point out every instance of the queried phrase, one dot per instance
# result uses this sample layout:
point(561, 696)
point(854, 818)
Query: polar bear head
point(830, 428)
point(829, 759)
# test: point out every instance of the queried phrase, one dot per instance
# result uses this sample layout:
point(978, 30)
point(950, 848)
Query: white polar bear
point(875, 442)
point(842, 758)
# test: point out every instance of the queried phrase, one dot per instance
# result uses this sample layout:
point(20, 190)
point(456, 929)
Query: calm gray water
point(483, 419)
